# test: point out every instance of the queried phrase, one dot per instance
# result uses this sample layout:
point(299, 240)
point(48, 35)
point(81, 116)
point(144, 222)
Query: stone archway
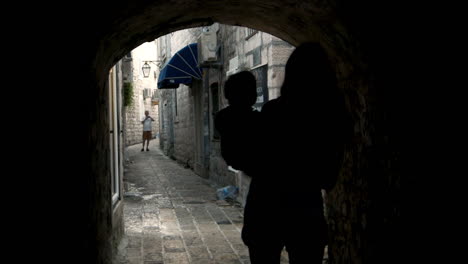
point(109, 31)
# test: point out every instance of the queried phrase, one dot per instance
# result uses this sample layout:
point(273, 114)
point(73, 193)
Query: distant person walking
point(147, 122)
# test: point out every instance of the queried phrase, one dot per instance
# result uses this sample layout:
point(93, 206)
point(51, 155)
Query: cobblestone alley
point(172, 215)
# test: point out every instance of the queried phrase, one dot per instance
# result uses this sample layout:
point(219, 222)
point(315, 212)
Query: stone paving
point(172, 215)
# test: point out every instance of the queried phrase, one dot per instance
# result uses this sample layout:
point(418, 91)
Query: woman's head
point(308, 72)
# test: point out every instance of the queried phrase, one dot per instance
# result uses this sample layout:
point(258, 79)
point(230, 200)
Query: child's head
point(241, 89)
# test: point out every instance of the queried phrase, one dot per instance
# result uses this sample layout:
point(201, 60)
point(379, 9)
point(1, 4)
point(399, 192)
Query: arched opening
point(322, 26)
point(193, 90)
point(118, 29)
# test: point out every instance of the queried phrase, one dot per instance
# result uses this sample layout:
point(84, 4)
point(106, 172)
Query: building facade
point(187, 112)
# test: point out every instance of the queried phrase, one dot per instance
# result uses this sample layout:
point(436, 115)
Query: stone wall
point(219, 172)
point(166, 118)
point(184, 126)
point(278, 54)
point(133, 128)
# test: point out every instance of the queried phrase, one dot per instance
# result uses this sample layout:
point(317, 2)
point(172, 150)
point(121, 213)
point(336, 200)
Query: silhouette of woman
point(302, 152)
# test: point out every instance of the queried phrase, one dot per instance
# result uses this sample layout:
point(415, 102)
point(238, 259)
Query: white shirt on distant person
point(147, 123)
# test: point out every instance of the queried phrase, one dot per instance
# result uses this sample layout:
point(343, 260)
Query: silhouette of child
point(236, 123)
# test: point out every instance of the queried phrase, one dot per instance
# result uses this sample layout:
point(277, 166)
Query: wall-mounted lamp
point(146, 68)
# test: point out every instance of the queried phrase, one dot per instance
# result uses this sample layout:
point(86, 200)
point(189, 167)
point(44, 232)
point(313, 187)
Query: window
point(154, 94)
point(146, 93)
point(256, 56)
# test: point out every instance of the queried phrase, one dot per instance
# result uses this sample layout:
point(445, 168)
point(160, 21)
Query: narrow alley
point(84, 92)
point(172, 215)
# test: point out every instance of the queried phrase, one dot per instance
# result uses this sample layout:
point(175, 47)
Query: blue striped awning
point(181, 68)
